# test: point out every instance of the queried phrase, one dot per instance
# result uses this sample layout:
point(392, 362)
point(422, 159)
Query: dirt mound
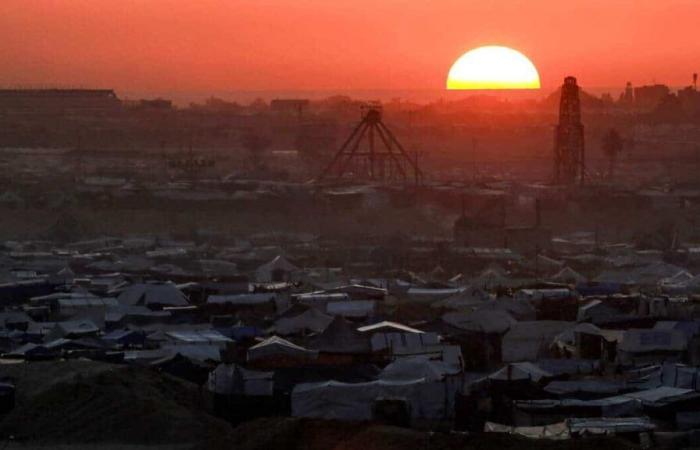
point(117, 405)
point(302, 434)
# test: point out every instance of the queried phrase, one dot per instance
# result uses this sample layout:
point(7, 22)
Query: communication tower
point(362, 157)
point(569, 156)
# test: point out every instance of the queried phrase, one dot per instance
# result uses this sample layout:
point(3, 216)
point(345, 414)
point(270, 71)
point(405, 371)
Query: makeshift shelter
point(351, 308)
point(471, 297)
point(279, 269)
point(232, 379)
point(312, 320)
point(522, 371)
point(73, 329)
point(426, 401)
point(418, 367)
point(481, 321)
point(341, 337)
point(648, 346)
point(517, 309)
point(277, 347)
point(430, 295)
point(152, 295)
point(569, 276)
point(492, 279)
point(529, 341)
point(555, 431)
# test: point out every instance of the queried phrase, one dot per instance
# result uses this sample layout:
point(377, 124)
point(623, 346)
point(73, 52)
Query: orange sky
point(214, 45)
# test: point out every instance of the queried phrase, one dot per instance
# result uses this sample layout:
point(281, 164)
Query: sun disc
point(493, 67)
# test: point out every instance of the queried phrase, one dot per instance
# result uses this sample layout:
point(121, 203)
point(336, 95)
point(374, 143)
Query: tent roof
point(340, 336)
point(520, 371)
point(311, 319)
point(387, 325)
point(486, 321)
point(153, 294)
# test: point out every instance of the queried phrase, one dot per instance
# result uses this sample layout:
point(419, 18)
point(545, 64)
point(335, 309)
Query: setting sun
point(493, 67)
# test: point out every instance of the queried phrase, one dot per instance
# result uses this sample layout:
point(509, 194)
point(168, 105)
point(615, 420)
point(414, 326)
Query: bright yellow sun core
point(493, 67)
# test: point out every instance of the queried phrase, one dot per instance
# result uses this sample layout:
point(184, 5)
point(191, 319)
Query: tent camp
point(340, 336)
point(279, 269)
point(481, 321)
point(427, 401)
point(311, 320)
point(277, 347)
point(231, 379)
point(152, 295)
point(529, 341)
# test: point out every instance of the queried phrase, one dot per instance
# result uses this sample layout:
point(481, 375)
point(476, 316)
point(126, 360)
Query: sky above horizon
point(218, 45)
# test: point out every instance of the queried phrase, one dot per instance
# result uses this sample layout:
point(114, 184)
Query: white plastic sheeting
point(165, 294)
point(429, 401)
point(242, 299)
point(403, 341)
point(482, 321)
point(529, 341)
point(311, 320)
point(520, 372)
point(275, 346)
point(352, 308)
point(555, 431)
point(418, 367)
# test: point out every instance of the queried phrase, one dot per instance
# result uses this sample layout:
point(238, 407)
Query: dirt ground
point(86, 403)
point(81, 405)
point(301, 434)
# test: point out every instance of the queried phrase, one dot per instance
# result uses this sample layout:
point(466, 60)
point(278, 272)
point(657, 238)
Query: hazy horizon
point(314, 45)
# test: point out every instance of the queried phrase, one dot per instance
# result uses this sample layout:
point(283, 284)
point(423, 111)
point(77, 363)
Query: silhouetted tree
point(612, 145)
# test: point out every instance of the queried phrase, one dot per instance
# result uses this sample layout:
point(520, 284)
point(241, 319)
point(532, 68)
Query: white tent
point(482, 321)
point(418, 367)
point(521, 371)
point(311, 320)
point(519, 310)
point(555, 431)
point(429, 401)
point(471, 297)
point(528, 341)
point(492, 279)
point(279, 269)
point(151, 294)
point(568, 275)
point(275, 346)
point(250, 299)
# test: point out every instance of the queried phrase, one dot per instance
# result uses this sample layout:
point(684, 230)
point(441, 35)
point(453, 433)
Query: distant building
point(649, 97)
point(58, 101)
point(689, 99)
point(627, 97)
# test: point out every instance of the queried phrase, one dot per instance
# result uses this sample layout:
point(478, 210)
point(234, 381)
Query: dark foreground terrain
point(80, 405)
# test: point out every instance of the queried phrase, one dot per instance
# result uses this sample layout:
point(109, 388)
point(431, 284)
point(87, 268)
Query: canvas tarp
point(417, 367)
point(519, 372)
point(529, 341)
point(311, 320)
point(429, 401)
point(275, 346)
point(555, 431)
point(483, 321)
point(164, 294)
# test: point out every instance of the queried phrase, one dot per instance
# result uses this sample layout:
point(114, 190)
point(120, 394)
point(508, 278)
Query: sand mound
point(303, 434)
point(116, 404)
